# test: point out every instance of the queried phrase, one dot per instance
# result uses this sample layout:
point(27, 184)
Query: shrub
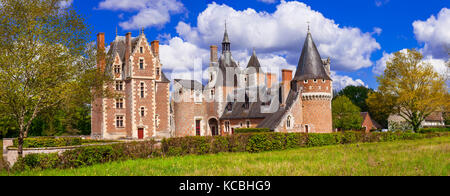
point(89, 155)
point(42, 142)
point(251, 130)
point(433, 130)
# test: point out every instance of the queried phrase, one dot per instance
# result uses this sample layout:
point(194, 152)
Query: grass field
point(419, 157)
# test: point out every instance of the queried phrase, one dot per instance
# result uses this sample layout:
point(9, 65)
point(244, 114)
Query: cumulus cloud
point(435, 34)
point(282, 33)
point(438, 64)
point(178, 54)
point(149, 12)
point(341, 81)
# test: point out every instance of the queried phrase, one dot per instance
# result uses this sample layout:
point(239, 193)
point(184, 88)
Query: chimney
point(101, 59)
point(271, 79)
point(155, 48)
point(286, 83)
point(214, 58)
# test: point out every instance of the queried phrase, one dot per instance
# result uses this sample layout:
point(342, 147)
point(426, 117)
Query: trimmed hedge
point(432, 130)
point(42, 142)
point(89, 155)
point(247, 142)
point(251, 130)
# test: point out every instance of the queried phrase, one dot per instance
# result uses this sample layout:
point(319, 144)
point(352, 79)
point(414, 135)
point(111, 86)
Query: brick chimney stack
point(155, 48)
point(127, 52)
point(101, 59)
point(286, 83)
point(214, 58)
point(271, 79)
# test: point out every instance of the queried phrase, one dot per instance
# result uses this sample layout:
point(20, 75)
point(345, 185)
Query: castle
point(232, 98)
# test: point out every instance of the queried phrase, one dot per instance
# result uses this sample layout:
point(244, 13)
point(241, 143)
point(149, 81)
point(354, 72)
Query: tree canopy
point(346, 115)
point(46, 61)
point(358, 95)
point(410, 88)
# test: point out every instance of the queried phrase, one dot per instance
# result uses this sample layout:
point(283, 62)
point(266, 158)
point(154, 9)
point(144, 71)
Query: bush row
point(259, 142)
point(251, 130)
point(247, 142)
point(42, 142)
point(89, 155)
point(432, 130)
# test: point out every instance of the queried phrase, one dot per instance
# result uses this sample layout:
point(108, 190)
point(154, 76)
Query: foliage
point(423, 157)
point(434, 130)
point(251, 130)
point(346, 115)
point(358, 96)
point(380, 112)
point(46, 61)
point(88, 155)
point(399, 126)
point(411, 88)
point(249, 142)
point(42, 142)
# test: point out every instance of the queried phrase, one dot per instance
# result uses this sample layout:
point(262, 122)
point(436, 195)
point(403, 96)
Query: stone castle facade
point(233, 97)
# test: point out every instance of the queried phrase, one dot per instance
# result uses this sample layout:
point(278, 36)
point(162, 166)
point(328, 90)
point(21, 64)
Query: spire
point(310, 65)
point(254, 62)
point(226, 41)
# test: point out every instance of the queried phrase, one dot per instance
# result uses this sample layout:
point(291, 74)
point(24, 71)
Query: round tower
point(312, 79)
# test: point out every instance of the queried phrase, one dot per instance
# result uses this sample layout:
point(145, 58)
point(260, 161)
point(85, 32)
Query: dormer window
point(229, 107)
point(141, 50)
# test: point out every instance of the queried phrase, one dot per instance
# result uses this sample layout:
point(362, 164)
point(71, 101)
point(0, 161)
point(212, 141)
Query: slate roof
point(190, 84)
point(254, 63)
point(310, 65)
point(256, 109)
point(274, 119)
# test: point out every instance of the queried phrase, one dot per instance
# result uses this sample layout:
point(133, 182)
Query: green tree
point(44, 63)
point(410, 88)
point(346, 115)
point(358, 95)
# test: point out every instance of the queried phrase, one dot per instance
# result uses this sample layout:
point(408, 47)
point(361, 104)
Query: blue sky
point(358, 35)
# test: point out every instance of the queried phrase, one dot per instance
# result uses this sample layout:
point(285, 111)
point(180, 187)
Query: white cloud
point(340, 81)
point(178, 54)
point(268, 1)
point(435, 34)
point(150, 12)
point(380, 3)
point(65, 4)
point(282, 33)
point(438, 64)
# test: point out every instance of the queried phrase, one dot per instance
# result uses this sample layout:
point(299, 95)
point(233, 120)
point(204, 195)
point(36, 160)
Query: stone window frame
point(142, 59)
point(323, 81)
point(227, 126)
point(315, 80)
point(141, 50)
point(119, 103)
point(117, 69)
point(200, 119)
point(290, 122)
point(305, 81)
point(157, 121)
point(198, 96)
point(119, 118)
point(119, 84)
point(142, 111)
point(248, 123)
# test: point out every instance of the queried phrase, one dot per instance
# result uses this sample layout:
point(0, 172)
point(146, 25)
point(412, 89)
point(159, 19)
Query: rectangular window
point(117, 69)
point(227, 126)
point(119, 121)
point(119, 86)
point(197, 127)
point(142, 90)
point(142, 50)
point(248, 124)
point(157, 71)
point(119, 103)
point(142, 111)
point(141, 64)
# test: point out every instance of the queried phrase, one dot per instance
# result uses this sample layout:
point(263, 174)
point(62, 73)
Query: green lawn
point(419, 157)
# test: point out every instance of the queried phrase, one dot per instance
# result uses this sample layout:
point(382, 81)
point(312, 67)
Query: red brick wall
point(162, 106)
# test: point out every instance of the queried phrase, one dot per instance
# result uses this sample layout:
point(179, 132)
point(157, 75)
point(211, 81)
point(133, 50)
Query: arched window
point(288, 122)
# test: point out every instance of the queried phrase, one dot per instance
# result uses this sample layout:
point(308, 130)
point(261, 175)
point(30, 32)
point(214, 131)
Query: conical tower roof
point(310, 65)
point(254, 62)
